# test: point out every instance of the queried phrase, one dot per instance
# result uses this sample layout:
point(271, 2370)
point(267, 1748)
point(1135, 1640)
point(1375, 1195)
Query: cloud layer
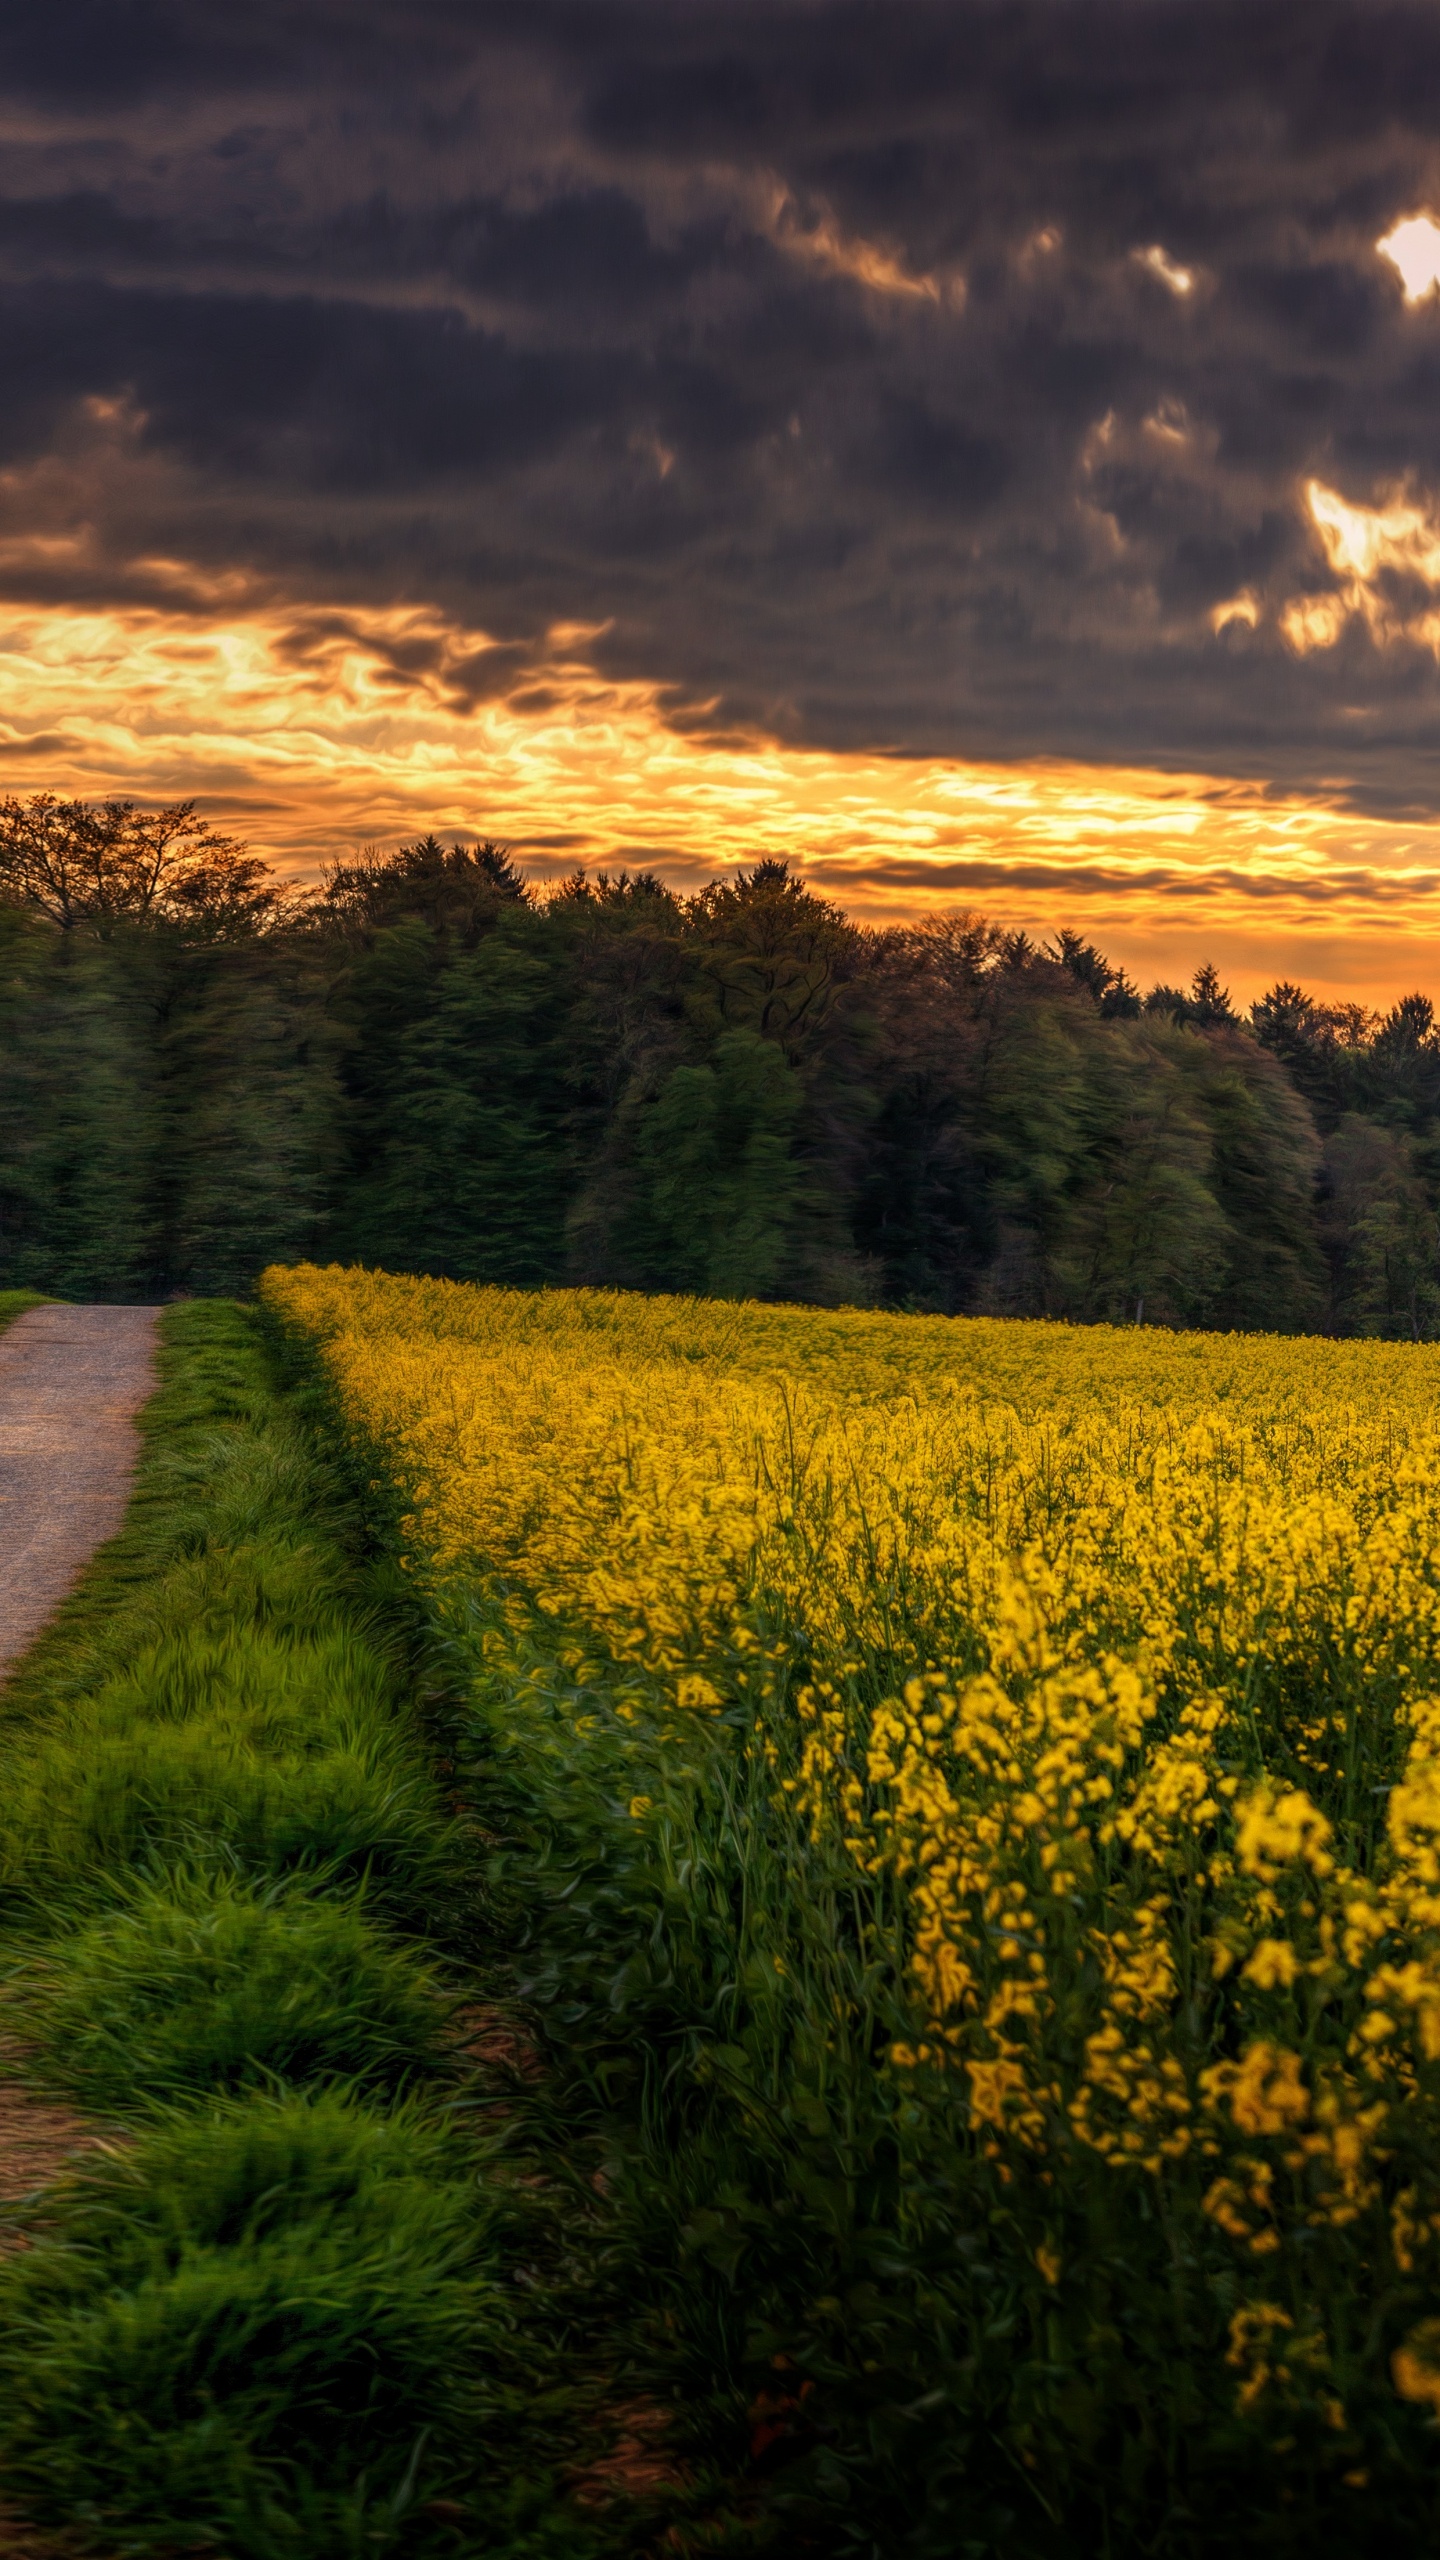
point(930, 379)
point(988, 448)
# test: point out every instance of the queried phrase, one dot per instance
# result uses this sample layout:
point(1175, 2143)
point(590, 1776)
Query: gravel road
point(72, 1380)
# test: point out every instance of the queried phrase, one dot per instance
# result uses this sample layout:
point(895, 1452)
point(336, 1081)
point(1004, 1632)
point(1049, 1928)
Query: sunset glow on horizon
point(1030, 507)
point(314, 729)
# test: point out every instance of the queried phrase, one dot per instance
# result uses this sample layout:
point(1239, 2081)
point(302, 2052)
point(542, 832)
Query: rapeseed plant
point(1060, 1713)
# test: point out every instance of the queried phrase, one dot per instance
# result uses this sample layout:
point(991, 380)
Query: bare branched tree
point(92, 867)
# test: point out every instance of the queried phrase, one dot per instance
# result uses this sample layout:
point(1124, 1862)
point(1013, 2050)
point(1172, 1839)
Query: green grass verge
point(14, 1302)
point(284, 2316)
point(249, 2324)
point(217, 1982)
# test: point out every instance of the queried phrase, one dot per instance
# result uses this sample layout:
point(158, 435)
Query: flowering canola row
point(1107, 1663)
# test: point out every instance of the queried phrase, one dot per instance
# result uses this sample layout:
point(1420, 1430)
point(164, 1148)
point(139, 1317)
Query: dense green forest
point(425, 1064)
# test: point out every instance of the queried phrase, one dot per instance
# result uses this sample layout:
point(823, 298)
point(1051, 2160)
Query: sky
point(987, 451)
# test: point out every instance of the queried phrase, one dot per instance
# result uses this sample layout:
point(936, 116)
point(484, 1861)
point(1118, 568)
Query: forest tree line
point(425, 1064)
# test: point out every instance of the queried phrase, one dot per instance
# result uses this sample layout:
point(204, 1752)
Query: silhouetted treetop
point(95, 866)
point(456, 889)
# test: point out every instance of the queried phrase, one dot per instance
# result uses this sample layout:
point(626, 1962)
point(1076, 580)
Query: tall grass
point(221, 1694)
point(247, 2325)
point(236, 1916)
point(201, 1982)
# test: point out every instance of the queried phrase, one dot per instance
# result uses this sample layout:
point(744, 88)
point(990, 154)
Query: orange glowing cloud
point(313, 729)
point(1363, 545)
point(820, 240)
point(1180, 280)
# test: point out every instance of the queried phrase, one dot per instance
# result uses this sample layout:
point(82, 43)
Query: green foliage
point(1384, 1230)
point(1263, 1166)
point(719, 1183)
point(250, 1100)
point(80, 1114)
point(281, 2315)
point(471, 1178)
point(1205, 1213)
point(166, 1109)
point(427, 1065)
point(203, 1982)
point(244, 2326)
point(1153, 1243)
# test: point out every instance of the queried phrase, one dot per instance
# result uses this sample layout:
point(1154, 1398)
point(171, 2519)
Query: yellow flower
point(1103, 1665)
point(1264, 2089)
point(1273, 1966)
point(692, 1690)
point(1415, 2366)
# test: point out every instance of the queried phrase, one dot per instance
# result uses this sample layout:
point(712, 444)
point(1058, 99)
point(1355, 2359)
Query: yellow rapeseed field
point(1107, 1665)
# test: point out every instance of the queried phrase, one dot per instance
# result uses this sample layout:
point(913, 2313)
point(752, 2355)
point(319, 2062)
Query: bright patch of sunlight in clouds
point(1244, 608)
point(1413, 249)
point(1362, 544)
point(818, 238)
point(1180, 280)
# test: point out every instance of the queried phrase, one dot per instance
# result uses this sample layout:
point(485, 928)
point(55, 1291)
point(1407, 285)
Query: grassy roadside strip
point(17, 1302)
point(301, 2305)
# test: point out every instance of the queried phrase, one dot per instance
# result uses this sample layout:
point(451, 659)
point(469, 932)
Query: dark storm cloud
point(832, 357)
point(1156, 880)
